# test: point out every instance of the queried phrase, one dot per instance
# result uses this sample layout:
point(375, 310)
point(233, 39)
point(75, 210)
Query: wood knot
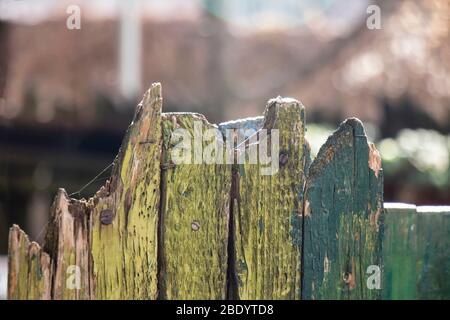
point(349, 280)
point(346, 276)
point(106, 216)
point(349, 276)
point(195, 225)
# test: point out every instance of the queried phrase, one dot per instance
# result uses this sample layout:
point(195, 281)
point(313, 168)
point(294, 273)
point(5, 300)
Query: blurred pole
point(4, 46)
point(130, 48)
point(215, 27)
point(38, 215)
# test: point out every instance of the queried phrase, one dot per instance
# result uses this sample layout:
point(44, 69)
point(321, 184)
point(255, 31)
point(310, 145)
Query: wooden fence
point(159, 229)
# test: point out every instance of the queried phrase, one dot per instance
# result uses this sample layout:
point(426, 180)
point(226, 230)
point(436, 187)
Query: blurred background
point(67, 94)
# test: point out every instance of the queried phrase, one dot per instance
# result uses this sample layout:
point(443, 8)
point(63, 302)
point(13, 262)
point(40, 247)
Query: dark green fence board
point(342, 217)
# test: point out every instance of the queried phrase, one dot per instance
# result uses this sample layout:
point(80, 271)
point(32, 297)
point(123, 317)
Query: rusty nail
point(283, 159)
point(166, 166)
point(106, 216)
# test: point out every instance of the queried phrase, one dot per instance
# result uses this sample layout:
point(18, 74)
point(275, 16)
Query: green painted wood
point(433, 253)
point(399, 252)
point(194, 214)
point(267, 210)
point(416, 249)
point(343, 217)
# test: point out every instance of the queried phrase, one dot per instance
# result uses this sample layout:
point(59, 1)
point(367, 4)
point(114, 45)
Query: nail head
point(195, 225)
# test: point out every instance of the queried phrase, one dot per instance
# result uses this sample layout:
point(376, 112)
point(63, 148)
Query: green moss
point(195, 222)
point(134, 199)
point(268, 245)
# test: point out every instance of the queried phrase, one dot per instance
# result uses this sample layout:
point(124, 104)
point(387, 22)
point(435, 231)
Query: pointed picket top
point(343, 217)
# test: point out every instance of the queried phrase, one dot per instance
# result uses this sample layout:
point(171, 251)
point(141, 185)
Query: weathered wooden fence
point(160, 229)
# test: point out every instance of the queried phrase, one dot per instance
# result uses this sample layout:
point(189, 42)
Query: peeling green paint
point(343, 221)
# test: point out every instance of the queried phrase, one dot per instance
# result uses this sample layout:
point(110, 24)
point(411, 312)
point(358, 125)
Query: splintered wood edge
point(20, 245)
point(152, 97)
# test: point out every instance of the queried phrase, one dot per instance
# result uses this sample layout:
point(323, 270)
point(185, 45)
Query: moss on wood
point(125, 213)
point(267, 211)
point(195, 215)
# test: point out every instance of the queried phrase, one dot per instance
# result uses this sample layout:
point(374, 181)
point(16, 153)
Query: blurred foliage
point(317, 134)
point(427, 151)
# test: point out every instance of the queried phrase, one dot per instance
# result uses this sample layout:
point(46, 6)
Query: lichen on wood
point(343, 217)
point(29, 268)
point(125, 213)
point(267, 208)
point(194, 215)
point(104, 247)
